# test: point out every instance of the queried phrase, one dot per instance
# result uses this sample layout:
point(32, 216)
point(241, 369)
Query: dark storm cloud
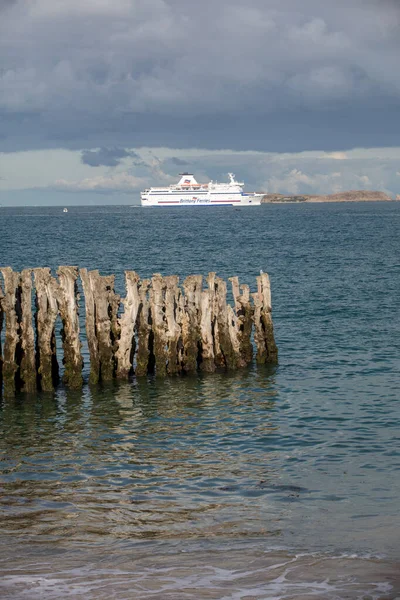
point(6, 3)
point(254, 74)
point(177, 161)
point(109, 157)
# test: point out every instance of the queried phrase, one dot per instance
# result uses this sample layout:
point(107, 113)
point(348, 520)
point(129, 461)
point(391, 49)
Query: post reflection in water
point(142, 460)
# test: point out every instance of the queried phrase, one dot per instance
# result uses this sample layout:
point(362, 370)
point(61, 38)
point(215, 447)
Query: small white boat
point(65, 209)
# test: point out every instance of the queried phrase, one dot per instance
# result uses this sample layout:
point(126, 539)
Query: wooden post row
point(164, 329)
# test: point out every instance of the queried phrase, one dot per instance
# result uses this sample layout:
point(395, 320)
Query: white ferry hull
point(179, 201)
point(190, 193)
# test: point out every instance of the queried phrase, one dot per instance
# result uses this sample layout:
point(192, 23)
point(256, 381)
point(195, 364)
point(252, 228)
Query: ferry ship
point(188, 192)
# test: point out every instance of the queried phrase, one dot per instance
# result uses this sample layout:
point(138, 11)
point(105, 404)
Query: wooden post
point(102, 286)
point(159, 325)
point(46, 315)
point(234, 342)
point(11, 309)
point(234, 324)
point(102, 327)
point(240, 323)
point(191, 317)
point(27, 374)
point(235, 292)
point(88, 291)
point(266, 316)
point(207, 326)
point(173, 333)
point(245, 317)
point(209, 336)
point(12, 337)
point(144, 357)
point(224, 317)
point(1, 328)
point(126, 343)
point(219, 360)
point(114, 302)
point(67, 299)
point(267, 351)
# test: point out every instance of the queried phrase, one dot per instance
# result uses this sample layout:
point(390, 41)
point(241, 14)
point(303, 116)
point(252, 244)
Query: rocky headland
point(350, 196)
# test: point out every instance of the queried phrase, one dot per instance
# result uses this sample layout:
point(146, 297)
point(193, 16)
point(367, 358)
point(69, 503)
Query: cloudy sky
point(100, 98)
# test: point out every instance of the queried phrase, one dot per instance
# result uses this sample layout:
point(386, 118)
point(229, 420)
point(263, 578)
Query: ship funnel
point(187, 179)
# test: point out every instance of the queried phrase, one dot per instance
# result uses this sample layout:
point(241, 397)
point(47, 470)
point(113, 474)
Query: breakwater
point(159, 327)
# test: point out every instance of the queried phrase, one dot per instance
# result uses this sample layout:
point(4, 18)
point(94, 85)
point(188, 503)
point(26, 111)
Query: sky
point(100, 99)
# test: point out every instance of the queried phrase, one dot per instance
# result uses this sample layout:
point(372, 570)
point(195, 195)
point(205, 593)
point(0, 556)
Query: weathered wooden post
point(126, 343)
point(102, 327)
point(27, 373)
point(88, 291)
point(172, 294)
point(267, 352)
point(67, 299)
point(241, 323)
point(207, 363)
point(212, 356)
point(12, 334)
point(46, 315)
point(245, 317)
point(266, 317)
point(233, 332)
point(114, 302)
point(234, 323)
point(224, 317)
point(102, 285)
point(1, 328)
point(157, 309)
point(219, 360)
point(144, 357)
point(190, 322)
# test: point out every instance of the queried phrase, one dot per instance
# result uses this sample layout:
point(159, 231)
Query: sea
point(265, 483)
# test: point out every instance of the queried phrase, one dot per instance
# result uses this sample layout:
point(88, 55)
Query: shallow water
point(265, 483)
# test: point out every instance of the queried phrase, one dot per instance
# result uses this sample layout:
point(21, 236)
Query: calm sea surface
point(266, 483)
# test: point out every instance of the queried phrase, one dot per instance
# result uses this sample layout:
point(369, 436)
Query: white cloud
point(364, 181)
point(120, 182)
point(296, 182)
point(34, 169)
point(295, 173)
point(336, 155)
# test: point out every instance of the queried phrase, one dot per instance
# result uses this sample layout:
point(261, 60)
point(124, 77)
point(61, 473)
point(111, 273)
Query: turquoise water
point(266, 483)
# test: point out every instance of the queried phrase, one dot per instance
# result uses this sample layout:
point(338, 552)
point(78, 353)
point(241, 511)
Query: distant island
point(350, 196)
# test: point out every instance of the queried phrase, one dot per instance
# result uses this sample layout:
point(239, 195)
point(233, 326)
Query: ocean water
point(264, 483)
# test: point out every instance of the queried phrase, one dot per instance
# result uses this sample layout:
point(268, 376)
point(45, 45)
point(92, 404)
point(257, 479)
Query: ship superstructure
point(188, 192)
